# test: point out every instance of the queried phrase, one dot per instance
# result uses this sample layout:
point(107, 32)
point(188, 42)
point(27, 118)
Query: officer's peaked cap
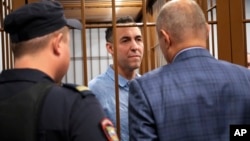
point(37, 19)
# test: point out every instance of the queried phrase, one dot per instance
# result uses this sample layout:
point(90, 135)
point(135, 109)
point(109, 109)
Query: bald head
point(182, 19)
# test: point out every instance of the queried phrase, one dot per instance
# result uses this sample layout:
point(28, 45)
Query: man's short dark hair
point(109, 31)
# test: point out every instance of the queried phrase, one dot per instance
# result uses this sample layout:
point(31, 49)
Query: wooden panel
point(223, 29)
point(17, 3)
point(239, 49)
point(100, 11)
point(96, 11)
point(101, 15)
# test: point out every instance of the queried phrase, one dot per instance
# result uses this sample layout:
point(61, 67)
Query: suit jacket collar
point(192, 52)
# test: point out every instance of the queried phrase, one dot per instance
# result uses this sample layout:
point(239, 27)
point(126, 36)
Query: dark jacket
point(66, 115)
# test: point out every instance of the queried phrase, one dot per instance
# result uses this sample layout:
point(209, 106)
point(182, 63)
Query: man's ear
point(208, 29)
point(166, 36)
point(57, 44)
point(109, 47)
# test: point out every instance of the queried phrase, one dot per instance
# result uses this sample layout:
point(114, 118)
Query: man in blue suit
point(195, 97)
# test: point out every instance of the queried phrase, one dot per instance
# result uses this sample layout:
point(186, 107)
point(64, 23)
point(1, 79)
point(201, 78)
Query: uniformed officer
point(40, 39)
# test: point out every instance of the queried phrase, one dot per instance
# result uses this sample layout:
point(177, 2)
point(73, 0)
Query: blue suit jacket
point(195, 98)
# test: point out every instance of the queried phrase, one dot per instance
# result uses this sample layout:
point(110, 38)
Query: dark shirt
point(66, 114)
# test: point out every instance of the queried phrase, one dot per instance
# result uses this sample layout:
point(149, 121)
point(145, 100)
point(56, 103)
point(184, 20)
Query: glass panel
point(88, 42)
point(90, 76)
point(210, 40)
point(215, 41)
point(248, 36)
point(212, 17)
point(247, 7)
point(69, 78)
point(95, 42)
point(214, 14)
point(95, 67)
point(98, 55)
point(209, 16)
point(4, 11)
point(247, 25)
point(71, 43)
point(213, 44)
point(209, 4)
point(104, 65)
point(90, 70)
point(79, 72)
point(78, 43)
point(103, 49)
point(213, 2)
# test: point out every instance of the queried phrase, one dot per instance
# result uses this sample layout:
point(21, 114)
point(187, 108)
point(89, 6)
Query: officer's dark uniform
point(66, 113)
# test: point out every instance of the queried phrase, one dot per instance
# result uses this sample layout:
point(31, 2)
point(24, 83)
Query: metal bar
point(6, 41)
point(146, 52)
point(152, 41)
point(99, 49)
point(91, 52)
point(99, 5)
point(213, 40)
point(118, 25)
point(117, 99)
point(74, 54)
point(11, 54)
point(84, 50)
point(212, 28)
point(2, 34)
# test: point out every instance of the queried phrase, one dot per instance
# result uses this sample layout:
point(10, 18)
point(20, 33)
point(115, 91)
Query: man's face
point(129, 48)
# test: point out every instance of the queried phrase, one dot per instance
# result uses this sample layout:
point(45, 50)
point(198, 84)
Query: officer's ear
point(57, 43)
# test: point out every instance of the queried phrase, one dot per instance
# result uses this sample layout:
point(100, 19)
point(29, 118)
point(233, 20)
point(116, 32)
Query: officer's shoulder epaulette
point(83, 90)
